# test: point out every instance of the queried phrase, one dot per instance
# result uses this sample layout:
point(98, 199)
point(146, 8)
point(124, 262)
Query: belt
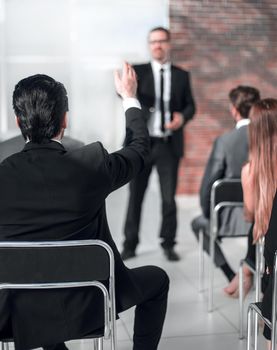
point(162, 139)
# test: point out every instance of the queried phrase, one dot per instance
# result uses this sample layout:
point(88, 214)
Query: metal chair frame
point(254, 310)
point(215, 208)
point(257, 273)
point(108, 294)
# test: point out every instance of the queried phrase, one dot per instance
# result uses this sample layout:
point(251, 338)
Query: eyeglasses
point(163, 41)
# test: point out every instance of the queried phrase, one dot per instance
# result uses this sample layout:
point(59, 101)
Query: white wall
point(80, 43)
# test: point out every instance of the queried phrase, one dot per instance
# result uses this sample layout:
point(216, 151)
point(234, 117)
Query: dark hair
point(161, 29)
point(40, 103)
point(243, 97)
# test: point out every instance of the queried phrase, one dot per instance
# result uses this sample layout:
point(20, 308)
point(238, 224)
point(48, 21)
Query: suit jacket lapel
point(150, 79)
point(173, 81)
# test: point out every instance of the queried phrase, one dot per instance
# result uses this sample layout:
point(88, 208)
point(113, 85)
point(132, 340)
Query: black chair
point(225, 193)
point(257, 269)
point(72, 259)
point(254, 311)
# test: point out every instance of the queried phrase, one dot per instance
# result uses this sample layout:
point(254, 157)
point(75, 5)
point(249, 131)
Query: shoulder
point(228, 135)
point(245, 171)
point(70, 144)
point(144, 67)
point(179, 70)
point(92, 153)
point(234, 135)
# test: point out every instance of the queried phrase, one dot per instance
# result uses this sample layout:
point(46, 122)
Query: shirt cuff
point(130, 102)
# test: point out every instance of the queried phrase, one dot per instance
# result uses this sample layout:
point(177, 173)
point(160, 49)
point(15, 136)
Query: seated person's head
point(242, 99)
point(40, 104)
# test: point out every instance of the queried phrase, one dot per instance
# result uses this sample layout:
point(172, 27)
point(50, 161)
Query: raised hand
point(126, 82)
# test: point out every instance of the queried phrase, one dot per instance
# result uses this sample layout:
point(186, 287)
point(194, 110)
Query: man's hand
point(176, 122)
point(126, 83)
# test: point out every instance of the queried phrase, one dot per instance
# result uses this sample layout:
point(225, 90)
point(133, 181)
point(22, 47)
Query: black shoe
point(171, 254)
point(127, 254)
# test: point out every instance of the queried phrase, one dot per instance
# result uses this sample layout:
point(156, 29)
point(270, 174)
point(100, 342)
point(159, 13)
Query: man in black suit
point(167, 104)
point(48, 193)
point(16, 144)
point(229, 153)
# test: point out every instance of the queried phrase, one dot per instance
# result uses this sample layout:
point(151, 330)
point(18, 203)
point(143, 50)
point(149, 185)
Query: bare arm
point(248, 193)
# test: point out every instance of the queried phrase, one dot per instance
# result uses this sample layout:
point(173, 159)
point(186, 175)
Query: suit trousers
point(167, 164)
point(150, 309)
point(202, 223)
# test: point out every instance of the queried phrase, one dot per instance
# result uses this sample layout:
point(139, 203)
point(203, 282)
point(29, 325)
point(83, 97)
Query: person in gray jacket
point(229, 153)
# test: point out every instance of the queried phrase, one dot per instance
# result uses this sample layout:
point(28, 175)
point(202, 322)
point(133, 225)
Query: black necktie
point(162, 100)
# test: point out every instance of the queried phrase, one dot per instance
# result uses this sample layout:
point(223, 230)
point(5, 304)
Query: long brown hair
point(263, 161)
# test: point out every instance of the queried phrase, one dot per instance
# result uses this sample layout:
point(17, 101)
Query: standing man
point(167, 104)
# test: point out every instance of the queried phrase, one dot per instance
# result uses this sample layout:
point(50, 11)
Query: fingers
point(126, 82)
point(116, 76)
point(129, 70)
point(175, 123)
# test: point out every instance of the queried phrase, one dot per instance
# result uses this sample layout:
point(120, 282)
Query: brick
point(223, 44)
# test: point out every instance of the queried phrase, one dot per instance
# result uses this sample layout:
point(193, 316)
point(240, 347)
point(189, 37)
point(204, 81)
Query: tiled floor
point(188, 325)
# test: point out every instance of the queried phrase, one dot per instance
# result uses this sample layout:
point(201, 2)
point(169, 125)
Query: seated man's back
point(48, 193)
point(229, 153)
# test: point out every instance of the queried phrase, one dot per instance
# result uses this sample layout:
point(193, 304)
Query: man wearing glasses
point(167, 103)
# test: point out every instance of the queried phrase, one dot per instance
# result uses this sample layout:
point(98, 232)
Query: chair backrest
point(61, 264)
point(55, 262)
point(226, 190)
point(226, 193)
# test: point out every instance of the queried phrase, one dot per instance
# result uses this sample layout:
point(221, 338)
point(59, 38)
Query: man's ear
point(64, 121)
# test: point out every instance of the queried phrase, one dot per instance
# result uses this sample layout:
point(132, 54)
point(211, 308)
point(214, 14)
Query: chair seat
point(98, 333)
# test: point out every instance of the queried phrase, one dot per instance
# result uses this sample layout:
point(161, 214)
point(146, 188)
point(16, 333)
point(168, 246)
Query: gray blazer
point(229, 153)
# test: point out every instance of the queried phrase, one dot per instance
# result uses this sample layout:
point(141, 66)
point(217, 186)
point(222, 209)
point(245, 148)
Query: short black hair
point(162, 29)
point(40, 103)
point(243, 98)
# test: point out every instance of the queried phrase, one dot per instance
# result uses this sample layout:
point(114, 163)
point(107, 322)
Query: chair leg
point(4, 346)
point(98, 344)
point(201, 262)
point(256, 330)
point(211, 274)
point(249, 328)
point(241, 300)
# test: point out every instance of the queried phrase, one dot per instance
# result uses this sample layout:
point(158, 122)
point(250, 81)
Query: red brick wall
point(223, 43)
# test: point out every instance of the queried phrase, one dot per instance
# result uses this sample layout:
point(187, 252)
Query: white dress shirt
point(154, 123)
point(242, 122)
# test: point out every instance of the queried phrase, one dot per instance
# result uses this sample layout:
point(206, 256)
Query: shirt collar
point(242, 122)
point(59, 141)
point(156, 66)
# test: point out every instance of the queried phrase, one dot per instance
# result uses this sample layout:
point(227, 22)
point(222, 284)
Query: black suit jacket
point(16, 144)
point(181, 99)
point(48, 193)
point(229, 153)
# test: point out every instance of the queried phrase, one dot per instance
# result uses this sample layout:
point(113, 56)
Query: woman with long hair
point(259, 182)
